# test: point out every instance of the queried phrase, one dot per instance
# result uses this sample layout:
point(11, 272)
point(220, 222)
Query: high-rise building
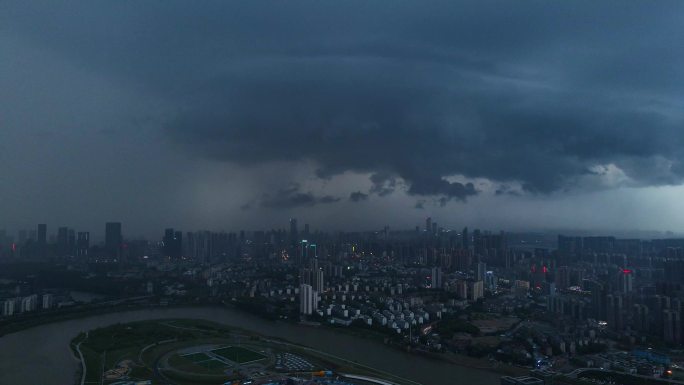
point(62, 241)
point(308, 299)
point(491, 281)
point(640, 320)
point(625, 281)
point(29, 303)
point(428, 224)
point(465, 238)
point(11, 306)
point(41, 240)
point(562, 277)
point(48, 301)
point(672, 327)
point(480, 271)
point(318, 283)
point(475, 290)
point(436, 278)
point(462, 289)
point(71, 242)
point(82, 244)
point(173, 243)
point(113, 239)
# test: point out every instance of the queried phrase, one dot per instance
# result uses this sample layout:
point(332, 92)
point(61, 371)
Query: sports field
point(238, 354)
point(198, 362)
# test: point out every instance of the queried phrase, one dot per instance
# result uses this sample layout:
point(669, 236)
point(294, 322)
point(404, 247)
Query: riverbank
point(100, 309)
point(19, 365)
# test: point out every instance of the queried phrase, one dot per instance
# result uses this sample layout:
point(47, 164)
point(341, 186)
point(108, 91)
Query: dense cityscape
point(345, 192)
point(559, 307)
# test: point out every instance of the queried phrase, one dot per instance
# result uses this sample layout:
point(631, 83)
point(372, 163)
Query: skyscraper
point(318, 283)
point(113, 239)
point(436, 278)
point(481, 271)
point(625, 281)
point(83, 244)
point(173, 243)
point(62, 241)
point(428, 224)
point(42, 240)
point(308, 299)
point(466, 239)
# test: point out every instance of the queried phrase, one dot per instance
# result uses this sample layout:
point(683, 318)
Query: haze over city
point(355, 114)
point(405, 192)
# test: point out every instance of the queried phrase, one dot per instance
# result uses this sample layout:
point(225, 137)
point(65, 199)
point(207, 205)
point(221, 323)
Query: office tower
point(306, 230)
point(308, 299)
point(465, 238)
point(562, 277)
point(82, 244)
point(436, 278)
point(569, 245)
point(306, 276)
point(478, 243)
point(29, 303)
point(640, 320)
point(672, 327)
point(625, 281)
point(475, 290)
point(480, 271)
point(62, 241)
point(491, 282)
point(42, 240)
point(113, 239)
point(462, 289)
point(71, 242)
point(178, 247)
point(428, 224)
point(9, 307)
point(173, 243)
point(48, 301)
point(614, 315)
point(318, 284)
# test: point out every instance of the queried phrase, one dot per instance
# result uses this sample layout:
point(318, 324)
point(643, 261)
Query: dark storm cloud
point(358, 196)
point(538, 93)
point(292, 197)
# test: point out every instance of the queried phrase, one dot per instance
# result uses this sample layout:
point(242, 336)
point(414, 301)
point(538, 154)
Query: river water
point(41, 355)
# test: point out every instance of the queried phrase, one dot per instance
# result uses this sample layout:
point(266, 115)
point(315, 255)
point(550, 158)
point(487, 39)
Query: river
point(41, 355)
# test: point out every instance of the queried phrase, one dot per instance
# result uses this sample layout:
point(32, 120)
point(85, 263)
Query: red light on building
point(14, 247)
point(626, 271)
point(534, 268)
point(545, 270)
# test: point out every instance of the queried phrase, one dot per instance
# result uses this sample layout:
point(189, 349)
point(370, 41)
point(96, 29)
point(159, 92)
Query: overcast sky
point(344, 114)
